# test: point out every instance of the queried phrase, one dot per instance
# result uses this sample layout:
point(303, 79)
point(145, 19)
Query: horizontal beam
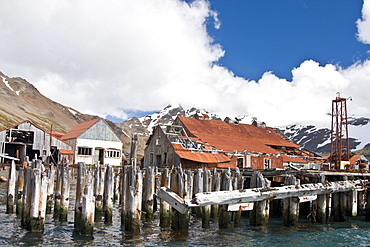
point(260, 194)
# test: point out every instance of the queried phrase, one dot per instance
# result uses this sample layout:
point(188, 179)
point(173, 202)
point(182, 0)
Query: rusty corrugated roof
point(201, 157)
point(64, 151)
point(79, 129)
point(354, 159)
point(235, 137)
point(286, 158)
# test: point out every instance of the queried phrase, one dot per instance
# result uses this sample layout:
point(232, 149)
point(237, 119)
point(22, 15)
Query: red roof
point(354, 159)
point(67, 152)
point(235, 137)
point(201, 157)
point(79, 129)
point(293, 159)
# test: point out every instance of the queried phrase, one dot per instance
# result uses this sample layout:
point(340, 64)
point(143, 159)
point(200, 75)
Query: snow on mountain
point(314, 136)
point(317, 139)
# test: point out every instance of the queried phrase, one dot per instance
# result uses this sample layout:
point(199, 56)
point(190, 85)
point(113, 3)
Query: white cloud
point(102, 57)
point(363, 24)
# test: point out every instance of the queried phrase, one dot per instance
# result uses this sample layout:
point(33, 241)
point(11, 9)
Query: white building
point(94, 141)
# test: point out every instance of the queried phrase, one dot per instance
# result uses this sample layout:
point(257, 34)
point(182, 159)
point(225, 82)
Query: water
point(354, 232)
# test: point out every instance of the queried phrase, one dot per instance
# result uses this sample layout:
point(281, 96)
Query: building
point(26, 139)
point(200, 142)
point(94, 142)
point(359, 162)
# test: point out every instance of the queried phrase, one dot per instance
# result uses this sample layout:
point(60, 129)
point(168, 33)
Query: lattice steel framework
point(339, 146)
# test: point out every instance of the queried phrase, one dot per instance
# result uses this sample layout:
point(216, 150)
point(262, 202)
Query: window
point(248, 161)
point(113, 154)
point(165, 158)
point(267, 163)
point(151, 158)
point(240, 162)
point(158, 141)
point(84, 151)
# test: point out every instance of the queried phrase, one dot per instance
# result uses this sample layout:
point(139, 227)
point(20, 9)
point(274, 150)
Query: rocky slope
point(20, 101)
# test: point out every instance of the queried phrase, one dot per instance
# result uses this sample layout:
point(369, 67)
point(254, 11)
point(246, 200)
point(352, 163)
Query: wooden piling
point(352, 203)
point(99, 191)
point(216, 186)
point(148, 192)
point(225, 216)
point(133, 202)
point(50, 188)
point(291, 204)
point(38, 200)
point(179, 221)
point(238, 183)
point(259, 216)
point(124, 194)
point(64, 195)
point(88, 207)
point(58, 191)
point(11, 189)
point(26, 200)
point(165, 209)
point(117, 185)
point(80, 185)
point(108, 195)
point(198, 188)
point(206, 210)
point(367, 218)
point(20, 186)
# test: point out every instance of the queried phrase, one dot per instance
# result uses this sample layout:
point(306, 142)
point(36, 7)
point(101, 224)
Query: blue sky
point(280, 61)
point(270, 35)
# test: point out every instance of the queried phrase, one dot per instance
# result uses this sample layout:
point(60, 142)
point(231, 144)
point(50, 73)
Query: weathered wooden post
point(38, 200)
point(367, 190)
point(88, 207)
point(80, 185)
point(133, 200)
point(352, 203)
point(50, 188)
point(226, 217)
point(179, 221)
point(148, 192)
point(291, 204)
point(206, 212)
point(322, 215)
point(165, 208)
point(198, 188)
point(216, 186)
point(238, 182)
point(339, 204)
point(64, 195)
point(124, 194)
point(133, 196)
point(58, 191)
point(99, 191)
point(20, 186)
point(117, 183)
point(11, 189)
point(108, 195)
point(259, 216)
point(26, 200)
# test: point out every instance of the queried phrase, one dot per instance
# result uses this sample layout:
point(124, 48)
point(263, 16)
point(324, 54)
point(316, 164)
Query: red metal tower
point(339, 146)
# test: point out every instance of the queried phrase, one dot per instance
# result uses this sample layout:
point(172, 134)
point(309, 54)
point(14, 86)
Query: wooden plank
point(260, 194)
point(173, 199)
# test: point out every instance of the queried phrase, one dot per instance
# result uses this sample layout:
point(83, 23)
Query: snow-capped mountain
point(317, 139)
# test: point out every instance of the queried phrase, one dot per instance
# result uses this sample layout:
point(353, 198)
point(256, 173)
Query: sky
point(280, 61)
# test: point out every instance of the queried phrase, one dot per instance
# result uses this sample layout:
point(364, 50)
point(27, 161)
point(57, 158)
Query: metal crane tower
point(339, 146)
